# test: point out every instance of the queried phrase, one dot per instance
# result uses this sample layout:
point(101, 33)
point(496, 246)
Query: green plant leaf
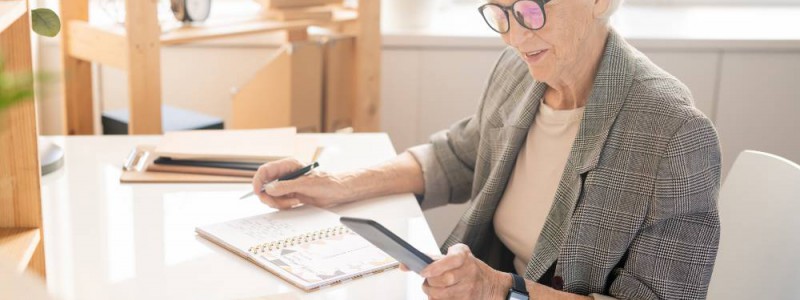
point(14, 88)
point(45, 22)
point(17, 97)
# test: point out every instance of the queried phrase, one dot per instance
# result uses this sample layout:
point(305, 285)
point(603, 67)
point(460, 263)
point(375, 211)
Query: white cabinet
point(699, 70)
point(759, 103)
point(426, 90)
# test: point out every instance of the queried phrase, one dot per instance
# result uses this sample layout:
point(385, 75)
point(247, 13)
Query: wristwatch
point(518, 291)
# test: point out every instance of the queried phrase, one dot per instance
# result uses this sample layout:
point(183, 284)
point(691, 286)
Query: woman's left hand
point(460, 275)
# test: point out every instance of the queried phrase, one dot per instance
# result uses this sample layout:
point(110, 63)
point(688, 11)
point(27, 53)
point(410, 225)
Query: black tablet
point(388, 242)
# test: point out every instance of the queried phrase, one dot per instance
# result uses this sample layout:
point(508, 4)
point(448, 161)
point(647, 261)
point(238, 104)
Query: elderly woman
point(589, 171)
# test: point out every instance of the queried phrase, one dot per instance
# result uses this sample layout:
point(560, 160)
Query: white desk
point(106, 240)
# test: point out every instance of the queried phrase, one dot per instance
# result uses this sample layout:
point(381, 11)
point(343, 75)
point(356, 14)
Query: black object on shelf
point(172, 119)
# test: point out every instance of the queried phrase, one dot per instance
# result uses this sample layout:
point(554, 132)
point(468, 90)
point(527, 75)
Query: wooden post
point(77, 76)
point(339, 83)
point(144, 67)
point(367, 29)
point(20, 199)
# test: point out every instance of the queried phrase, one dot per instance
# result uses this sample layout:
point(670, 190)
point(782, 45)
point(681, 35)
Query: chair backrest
point(759, 253)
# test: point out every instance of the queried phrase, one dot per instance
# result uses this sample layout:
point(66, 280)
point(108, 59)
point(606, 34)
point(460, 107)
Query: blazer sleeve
point(673, 255)
point(448, 160)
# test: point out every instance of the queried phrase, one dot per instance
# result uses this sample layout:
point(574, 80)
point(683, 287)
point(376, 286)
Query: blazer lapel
point(609, 90)
point(505, 134)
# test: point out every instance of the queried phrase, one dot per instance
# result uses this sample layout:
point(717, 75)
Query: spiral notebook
point(305, 246)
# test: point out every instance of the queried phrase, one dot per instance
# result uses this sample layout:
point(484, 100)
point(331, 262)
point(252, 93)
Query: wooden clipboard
point(134, 170)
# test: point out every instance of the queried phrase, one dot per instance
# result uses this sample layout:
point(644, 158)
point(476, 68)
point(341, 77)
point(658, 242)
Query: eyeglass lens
point(528, 13)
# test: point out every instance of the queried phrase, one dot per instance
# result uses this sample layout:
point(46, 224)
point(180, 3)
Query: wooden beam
point(77, 75)
point(98, 45)
point(206, 32)
point(297, 35)
point(306, 86)
point(366, 109)
point(144, 71)
point(339, 83)
point(274, 4)
point(324, 13)
point(18, 245)
point(210, 30)
point(20, 194)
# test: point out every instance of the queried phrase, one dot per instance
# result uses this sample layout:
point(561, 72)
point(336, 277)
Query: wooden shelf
point(20, 201)
point(102, 43)
point(10, 11)
point(18, 245)
point(199, 33)
point(135, 46)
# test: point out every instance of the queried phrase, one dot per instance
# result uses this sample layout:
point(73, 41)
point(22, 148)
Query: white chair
point(759, 251)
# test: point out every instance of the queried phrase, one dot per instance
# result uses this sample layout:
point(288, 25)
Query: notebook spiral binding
point(299, 239)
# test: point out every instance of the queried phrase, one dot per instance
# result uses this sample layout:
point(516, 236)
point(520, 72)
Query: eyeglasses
point(528, 13)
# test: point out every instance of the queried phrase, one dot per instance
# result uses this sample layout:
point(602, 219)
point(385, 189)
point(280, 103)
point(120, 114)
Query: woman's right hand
point(316, 188)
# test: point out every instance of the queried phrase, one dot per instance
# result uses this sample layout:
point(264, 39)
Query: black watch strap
point(518, 290)
point(519, 284)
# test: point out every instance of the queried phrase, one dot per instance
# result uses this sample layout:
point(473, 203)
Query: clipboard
point(134, 170)
point(135, 166)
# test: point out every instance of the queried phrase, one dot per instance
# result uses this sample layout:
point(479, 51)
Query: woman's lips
point(533, 57)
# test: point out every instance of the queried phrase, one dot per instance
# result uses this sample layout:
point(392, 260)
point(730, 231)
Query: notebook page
point(244, 233)
point(326, 252)
point(326, 261)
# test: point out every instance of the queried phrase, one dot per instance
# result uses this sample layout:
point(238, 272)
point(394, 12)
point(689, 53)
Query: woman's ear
point(601, 8)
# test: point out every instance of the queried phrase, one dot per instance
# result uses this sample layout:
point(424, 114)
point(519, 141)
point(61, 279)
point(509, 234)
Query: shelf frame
point(136, 50)
point(20, 193)
point(19, 244)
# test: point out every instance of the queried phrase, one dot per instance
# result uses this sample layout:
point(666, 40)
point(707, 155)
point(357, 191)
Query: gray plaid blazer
point(635, 213)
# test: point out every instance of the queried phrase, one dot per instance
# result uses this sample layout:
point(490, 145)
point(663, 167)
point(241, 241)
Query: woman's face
point(554, 50)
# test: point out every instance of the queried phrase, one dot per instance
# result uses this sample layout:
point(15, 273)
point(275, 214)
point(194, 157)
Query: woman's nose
point(517, 35)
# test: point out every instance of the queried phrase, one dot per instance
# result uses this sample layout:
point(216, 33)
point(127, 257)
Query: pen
point(290, 176)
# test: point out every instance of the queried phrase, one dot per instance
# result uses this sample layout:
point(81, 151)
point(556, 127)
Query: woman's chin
point(537, 74)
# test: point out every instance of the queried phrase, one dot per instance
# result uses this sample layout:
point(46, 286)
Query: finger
point(436, 292)
point(276, 169)
point(456, 255)
point(286, 187)
point(447, 279)
point(269, 171)
point(403, 268)
point(272, 170)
